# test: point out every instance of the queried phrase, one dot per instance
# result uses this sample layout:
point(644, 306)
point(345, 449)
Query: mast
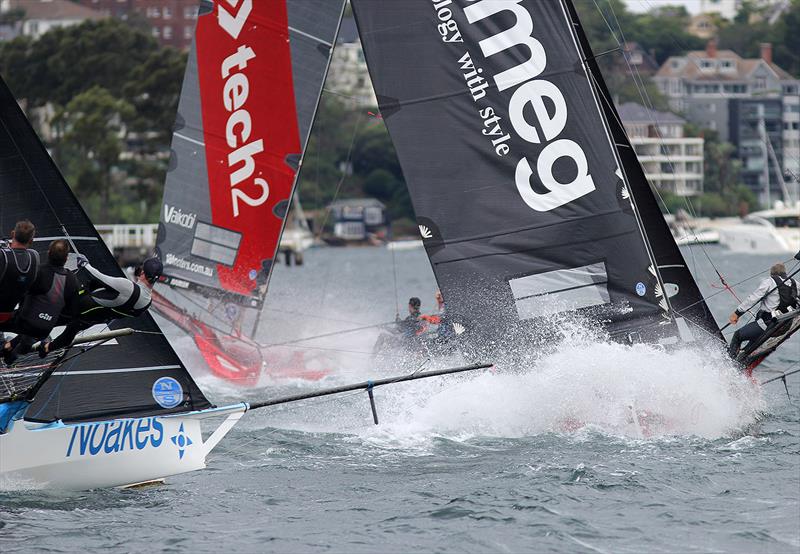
point(577, 30)
point(688, 302)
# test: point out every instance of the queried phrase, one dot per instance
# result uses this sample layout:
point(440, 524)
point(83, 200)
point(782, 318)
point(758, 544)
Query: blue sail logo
point(167, 392)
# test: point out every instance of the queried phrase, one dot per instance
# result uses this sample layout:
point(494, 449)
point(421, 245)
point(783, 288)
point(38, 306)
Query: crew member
point(53, 293)
point(106, 298)
point(435, 319)
point(412, 325)
point(18, 267)
point(775, 295)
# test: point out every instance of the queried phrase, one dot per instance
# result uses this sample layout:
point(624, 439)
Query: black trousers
point(749, 332)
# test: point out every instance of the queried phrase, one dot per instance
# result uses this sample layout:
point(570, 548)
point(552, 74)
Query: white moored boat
point(768, 231)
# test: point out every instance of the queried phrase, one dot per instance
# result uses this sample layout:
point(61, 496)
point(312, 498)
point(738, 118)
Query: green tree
point(787, 39)
point(94, 124)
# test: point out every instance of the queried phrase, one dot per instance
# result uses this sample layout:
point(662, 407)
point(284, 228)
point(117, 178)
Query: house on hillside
point(743, 100)
point(41, 16)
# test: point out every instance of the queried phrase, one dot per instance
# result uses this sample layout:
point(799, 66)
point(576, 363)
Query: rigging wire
point(647, 101)
point(396, 298)
point(348, 158)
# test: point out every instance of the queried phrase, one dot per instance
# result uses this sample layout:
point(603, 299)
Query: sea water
point(598, 447)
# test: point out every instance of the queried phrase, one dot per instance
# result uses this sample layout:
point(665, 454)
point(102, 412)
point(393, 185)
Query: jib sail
point(524, 203)
point(132, 376)
point(251, 88)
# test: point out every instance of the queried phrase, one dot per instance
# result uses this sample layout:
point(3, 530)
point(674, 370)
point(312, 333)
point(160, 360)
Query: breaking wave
point(638, 391)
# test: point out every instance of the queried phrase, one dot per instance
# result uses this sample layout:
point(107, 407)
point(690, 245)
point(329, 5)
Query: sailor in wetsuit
point(413, 325)
point(53, 293)
point(775, 294)
point(19, 265)
point(104, 298)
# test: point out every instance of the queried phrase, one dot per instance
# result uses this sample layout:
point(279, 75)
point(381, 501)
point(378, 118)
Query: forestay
point(132, 376)
point(250, 91)
point(524, 203)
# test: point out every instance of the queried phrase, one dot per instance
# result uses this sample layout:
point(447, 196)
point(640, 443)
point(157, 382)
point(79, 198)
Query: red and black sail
point(251, 89)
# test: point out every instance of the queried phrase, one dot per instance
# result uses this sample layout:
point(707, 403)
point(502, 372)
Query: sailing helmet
point(152, 269)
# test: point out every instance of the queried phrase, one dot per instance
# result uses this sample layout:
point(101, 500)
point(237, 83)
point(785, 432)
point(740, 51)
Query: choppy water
point(477, 464)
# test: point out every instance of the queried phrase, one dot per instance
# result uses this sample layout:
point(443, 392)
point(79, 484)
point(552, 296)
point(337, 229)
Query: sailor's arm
point(753, 299)
point(122, 285)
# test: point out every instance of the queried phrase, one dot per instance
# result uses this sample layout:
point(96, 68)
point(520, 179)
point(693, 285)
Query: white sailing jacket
point(769, 302)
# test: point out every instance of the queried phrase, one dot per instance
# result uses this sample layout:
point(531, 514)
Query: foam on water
point(638, 391)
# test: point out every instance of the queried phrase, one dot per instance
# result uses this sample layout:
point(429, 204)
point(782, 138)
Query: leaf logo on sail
point(458, 328)
point(425, 232)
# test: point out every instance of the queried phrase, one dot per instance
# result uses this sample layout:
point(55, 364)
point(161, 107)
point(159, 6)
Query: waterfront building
point(172, 22)
point(743, 100)
point(671, 161)
point(39, 16)
point(348, 77)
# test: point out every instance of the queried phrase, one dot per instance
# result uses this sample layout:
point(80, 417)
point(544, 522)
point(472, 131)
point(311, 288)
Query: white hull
point(108, 453)
point(758, 239)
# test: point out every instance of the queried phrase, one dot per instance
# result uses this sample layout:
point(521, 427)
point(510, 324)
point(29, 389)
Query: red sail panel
point(250, 133)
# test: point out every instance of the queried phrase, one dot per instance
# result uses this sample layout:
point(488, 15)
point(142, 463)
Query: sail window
point(215, 243)
point(560, 291)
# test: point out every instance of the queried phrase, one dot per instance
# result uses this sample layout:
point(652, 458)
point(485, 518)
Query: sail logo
point(239, 126)
point(112, 437)
point(167, 392)
point(182, 441)
point(177, 217)
point(533, 97)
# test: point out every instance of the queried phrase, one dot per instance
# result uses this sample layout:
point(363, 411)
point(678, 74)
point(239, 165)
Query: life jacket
point(17, 275)
point(787, 289)
point(41, 311)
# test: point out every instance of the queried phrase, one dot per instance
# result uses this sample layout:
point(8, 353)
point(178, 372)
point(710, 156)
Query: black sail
point(514, 175)
point(686, 299)
point(132, 376)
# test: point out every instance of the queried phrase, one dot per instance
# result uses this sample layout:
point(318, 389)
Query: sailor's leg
point(749, 332)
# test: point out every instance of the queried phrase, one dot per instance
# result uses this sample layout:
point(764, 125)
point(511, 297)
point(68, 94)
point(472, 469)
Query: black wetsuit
point(54, 293)
point(18, 269)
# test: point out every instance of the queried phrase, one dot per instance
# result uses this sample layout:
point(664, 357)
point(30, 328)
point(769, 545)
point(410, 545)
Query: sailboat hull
point(110, 453)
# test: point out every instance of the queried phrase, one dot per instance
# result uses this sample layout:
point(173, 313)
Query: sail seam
point(119, 370)
point(312, 37)
point(187, 139)
point(562, 290)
